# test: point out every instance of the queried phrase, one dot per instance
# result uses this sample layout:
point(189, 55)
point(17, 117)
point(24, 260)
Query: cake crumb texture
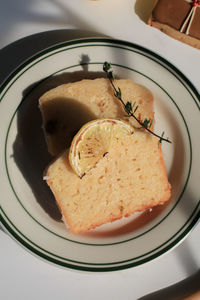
point(130, 178)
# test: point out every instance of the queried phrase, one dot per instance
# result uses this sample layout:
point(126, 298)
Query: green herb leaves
point(118, 93)
point(161, 138)
point(130, 108)
point(106, 68)
point(147, 123)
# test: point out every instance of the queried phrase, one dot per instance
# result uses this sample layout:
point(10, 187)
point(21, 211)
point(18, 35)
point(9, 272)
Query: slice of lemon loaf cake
point(128, 175)
point(69, 106)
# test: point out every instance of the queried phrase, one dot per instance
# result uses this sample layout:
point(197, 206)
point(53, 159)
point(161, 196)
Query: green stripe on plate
point(97, 42)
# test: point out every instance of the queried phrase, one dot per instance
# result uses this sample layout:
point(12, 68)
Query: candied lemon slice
point(93, 141)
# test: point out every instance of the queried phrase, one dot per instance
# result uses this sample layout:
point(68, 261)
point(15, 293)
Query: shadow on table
point(18, 52)
point(17, 13)
point(177, 291)
point(30, 151)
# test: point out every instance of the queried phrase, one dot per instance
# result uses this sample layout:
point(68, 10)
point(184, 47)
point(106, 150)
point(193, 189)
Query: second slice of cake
point(130, 177)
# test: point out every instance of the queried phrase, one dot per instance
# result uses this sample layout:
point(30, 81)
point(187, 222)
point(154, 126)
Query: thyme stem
point(128, 108)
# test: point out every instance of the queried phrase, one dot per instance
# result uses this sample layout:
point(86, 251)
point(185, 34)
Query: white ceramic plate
point(28, 211)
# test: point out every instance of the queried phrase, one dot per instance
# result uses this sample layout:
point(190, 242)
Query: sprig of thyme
point(129, 107)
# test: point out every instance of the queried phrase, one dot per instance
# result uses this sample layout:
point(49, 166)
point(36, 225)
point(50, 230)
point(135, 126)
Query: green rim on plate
point(125, 262)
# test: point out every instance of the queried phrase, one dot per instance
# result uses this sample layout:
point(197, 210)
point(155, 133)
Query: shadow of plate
point(19, 51)
point(178, 291)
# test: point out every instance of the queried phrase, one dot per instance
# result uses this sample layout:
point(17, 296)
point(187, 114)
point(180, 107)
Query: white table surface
point(24, 276)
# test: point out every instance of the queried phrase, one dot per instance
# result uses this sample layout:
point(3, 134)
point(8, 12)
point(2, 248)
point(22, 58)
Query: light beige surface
point(25, 18)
